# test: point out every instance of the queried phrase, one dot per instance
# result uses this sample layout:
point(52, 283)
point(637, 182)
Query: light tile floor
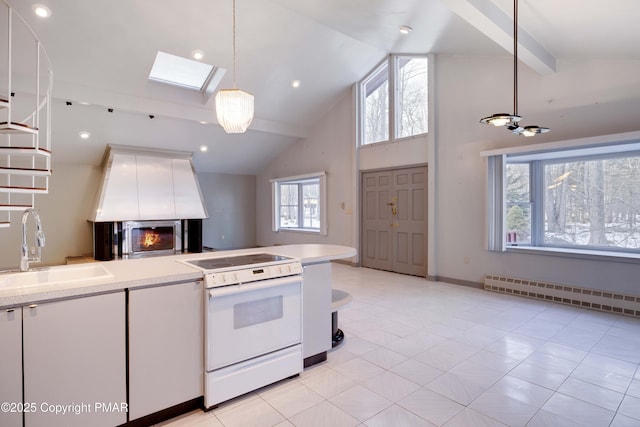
point(419, 353)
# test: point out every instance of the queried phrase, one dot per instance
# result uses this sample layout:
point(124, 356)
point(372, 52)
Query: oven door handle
point(254, 286)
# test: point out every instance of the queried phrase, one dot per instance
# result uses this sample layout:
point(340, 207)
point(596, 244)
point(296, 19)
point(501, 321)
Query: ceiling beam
point(490, 20)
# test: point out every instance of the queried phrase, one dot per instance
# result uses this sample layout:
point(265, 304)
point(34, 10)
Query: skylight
point(178, 71)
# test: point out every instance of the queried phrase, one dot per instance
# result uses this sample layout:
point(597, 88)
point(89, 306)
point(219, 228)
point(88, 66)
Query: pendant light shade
point(234, 107)
point(510, 121)
point(533, 130)
point(501, 119)
point(234, 110)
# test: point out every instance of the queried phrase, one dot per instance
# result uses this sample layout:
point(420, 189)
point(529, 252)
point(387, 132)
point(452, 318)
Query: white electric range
point(253, 322)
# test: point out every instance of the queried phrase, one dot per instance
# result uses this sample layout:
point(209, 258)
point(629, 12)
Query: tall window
point(412, 96)
point(393, 100)
point(299, 203)
point(586, 198)
point(376, 108)
point(518, 204)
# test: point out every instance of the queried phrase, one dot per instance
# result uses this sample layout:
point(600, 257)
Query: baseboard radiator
point(571, 295)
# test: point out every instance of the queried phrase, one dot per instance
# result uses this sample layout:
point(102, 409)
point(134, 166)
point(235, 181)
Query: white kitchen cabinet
point(74, 356)
point(316, 309)
point(11, 366)
point(166, 346)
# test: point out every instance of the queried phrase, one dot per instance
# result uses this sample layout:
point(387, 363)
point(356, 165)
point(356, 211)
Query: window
point(412, 96)
point(180, 71)
point(569, 199)
point(518, 204)
point(401, 112)
point(299, 203)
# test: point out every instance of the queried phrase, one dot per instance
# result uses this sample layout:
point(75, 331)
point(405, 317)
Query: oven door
point(252, 319)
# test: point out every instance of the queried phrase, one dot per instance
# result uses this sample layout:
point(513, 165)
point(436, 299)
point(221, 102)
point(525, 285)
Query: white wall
point(583, 98)
point(329, 148)
point(577, 101)
point(63, 212)
point(230, 201)
point(231, 204)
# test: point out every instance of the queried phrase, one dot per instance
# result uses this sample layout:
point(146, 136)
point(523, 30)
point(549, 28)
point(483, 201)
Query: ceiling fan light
point(510, 121)
point(515, 128)
point(234, 110)
point(529, 131)
point(501, 119)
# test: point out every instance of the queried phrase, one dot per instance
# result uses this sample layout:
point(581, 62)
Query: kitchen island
point(143, 272)
point(122, 341)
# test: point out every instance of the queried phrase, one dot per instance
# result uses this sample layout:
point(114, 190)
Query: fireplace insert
point(134, 239)
point(143, 238)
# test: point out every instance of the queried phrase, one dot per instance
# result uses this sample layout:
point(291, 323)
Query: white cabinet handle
point(33, 305)
point(11, 310)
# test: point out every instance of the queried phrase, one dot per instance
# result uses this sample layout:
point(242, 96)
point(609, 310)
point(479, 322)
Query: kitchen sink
point(54, 275)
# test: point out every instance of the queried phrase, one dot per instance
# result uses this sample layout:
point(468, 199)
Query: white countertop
point(142, 272)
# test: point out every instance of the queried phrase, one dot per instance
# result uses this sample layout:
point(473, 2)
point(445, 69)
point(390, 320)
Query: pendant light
point(234, 107)
point(510, 121)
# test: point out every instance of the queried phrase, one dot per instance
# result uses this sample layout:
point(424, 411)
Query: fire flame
point(150, 239)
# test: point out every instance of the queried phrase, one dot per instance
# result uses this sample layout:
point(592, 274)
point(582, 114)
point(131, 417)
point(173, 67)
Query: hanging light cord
point(234, 45)
point(515, 57)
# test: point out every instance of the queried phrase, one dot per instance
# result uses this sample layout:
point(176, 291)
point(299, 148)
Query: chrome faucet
point(25, 259)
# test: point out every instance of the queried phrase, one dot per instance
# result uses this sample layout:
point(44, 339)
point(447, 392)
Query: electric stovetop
point(236, 261)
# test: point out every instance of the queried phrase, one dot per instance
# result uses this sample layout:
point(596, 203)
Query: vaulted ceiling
point(102, 52)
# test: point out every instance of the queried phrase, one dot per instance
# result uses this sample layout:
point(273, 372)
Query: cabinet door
point(316, 309)
point(74, 356)
point(11, 365)
point(166, 347)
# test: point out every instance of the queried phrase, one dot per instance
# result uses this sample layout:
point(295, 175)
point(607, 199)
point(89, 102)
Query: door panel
point(384, 248)
point(419, 200)
point(419, 254)
point(375, 220)
point(402, 249)
point(394, 220)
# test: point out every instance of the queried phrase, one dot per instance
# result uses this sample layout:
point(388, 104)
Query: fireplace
point(141, 238)
point(134, 239)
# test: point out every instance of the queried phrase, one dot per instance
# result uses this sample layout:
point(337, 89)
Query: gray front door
point(394, 220)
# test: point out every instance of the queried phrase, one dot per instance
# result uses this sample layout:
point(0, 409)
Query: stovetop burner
point(236, 261)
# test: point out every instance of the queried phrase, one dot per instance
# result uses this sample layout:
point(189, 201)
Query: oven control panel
point(225, 278)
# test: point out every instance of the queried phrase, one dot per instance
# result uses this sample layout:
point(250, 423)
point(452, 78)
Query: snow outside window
point(586, 201)
point(299, 203)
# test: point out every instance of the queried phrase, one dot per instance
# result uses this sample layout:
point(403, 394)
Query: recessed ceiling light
point(84, 134)
point(405, 29)
point(203, 148)
point(41, 10)
point(295, 83)
point(202, 122)
point(197, 54)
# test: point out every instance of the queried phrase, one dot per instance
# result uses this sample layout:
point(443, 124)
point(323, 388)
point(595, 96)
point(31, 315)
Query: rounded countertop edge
point(313, 253)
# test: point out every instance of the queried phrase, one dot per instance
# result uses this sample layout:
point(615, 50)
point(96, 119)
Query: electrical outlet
point(467, 260)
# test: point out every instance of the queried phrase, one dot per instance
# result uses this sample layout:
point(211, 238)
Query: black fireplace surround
point(117, 240)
